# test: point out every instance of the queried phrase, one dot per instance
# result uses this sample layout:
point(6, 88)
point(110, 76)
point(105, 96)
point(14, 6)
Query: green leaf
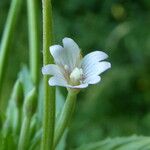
point(7, 142)
point(36, 141)
point(120, 143)
point(11, 121)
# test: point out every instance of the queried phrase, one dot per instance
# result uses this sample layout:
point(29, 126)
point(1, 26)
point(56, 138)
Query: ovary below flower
point(71, 70)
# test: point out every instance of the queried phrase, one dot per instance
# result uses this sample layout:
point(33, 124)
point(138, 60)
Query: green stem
point(24, 133)
point(65, 116)
point(7, 36)
point(49, 92)
point(33, 40)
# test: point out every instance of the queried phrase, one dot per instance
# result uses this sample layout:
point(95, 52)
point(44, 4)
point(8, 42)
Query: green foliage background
point(120, 104)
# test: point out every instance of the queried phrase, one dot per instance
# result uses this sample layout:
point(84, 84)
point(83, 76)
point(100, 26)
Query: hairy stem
point(49, 92)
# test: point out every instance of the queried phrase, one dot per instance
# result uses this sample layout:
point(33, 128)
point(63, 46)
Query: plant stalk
point(7, 36)
point(33, 40)
point(65, 116)
point(49, 92)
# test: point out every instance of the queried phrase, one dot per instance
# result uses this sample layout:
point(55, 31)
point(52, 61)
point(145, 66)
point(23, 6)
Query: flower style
point(71, 70)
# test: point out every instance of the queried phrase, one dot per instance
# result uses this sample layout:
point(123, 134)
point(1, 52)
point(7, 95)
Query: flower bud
point(30, 103)
point(18, 94)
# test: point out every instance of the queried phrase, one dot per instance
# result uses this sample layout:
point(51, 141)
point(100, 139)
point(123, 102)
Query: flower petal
point(56, 81)
point(72, 52)
point(93, 57)
point(69, 43)
point(81, 86)
point(92, 79)
point(96, 69)
point(57, 53)
point(52, 69)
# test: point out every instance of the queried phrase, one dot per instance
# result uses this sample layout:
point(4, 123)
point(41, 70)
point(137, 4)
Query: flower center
point(66, 67)
point(76, 76)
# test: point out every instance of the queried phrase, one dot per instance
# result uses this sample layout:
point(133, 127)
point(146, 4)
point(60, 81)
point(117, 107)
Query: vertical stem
point(24, 133)
point(65, 116)
point(33, 40)
point(49, 92)
point(7, 36)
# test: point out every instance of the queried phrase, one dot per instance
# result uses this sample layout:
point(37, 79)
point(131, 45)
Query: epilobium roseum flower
point(71, 70)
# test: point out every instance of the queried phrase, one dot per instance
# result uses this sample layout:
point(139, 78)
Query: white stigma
point(76, 75)
point(66, 67)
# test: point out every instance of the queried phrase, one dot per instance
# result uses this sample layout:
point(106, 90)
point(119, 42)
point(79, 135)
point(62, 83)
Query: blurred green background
point(120, 104)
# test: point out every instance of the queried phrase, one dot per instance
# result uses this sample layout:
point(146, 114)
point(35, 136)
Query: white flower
point(71, 70)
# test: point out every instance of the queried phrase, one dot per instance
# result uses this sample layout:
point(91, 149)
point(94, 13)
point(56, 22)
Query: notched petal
point(104, 65)
point(53, 70)
point(93, 57)
point(54, 49)
point(92, 79)
point(96, 69)
point(72, 52)
point(70, 43)
point(57, 51)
